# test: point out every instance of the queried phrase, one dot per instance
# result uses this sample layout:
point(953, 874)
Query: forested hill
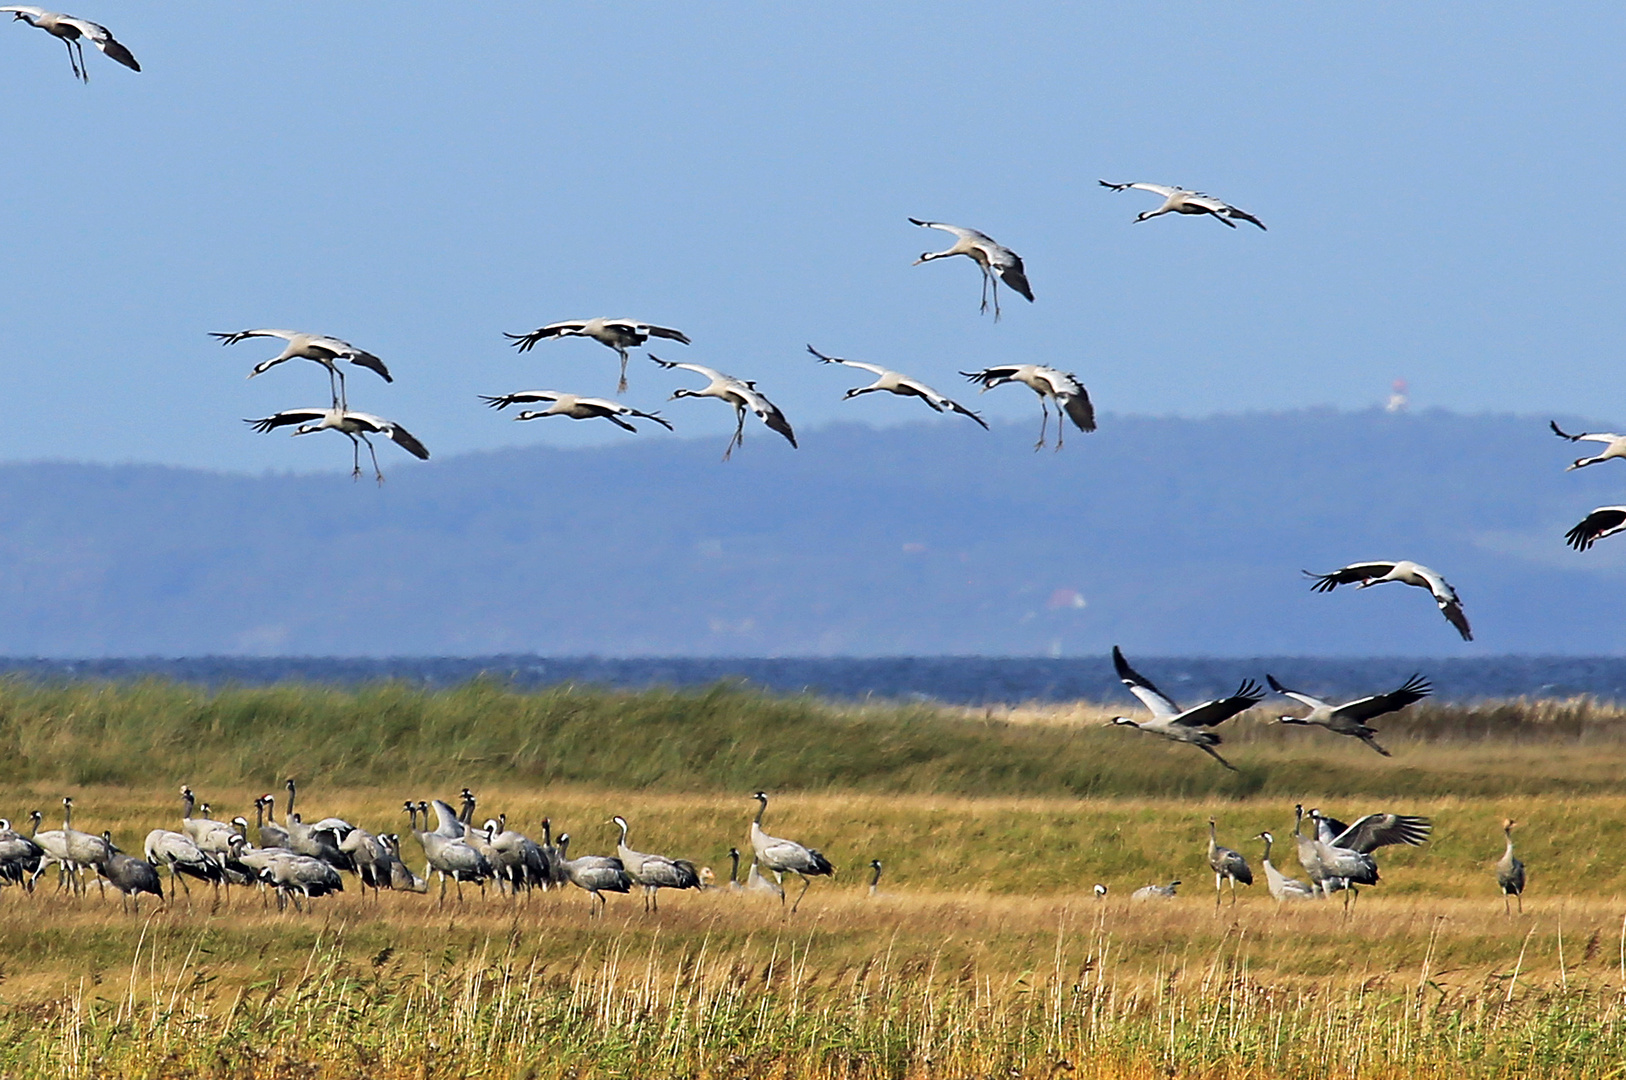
point(1167, 536)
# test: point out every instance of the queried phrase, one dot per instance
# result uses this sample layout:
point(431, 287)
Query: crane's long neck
point(1213, 841)
point(271, 809)
point(547, 832)
point(761, 809)
point(1507, 855)
point(622, 825)
point(187, 802)
point(734, 869)
point(875, 877)
point(259, 813)
point(1267, 851)
point(290, 799)
point(67, 815)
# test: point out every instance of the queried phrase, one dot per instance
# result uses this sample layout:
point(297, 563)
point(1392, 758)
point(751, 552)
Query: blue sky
point(1437, 184)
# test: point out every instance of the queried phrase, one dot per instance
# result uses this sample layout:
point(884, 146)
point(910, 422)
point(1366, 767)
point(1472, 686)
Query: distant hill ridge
point(1168, 536)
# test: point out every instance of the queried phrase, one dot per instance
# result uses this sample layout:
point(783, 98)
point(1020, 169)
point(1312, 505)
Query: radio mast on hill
point(1397, 397)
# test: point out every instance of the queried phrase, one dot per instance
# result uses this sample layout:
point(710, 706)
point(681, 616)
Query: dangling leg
point(994, 282)
point(377, 472)
point(1061, 438)
point(355, 457)
point(739, 431)
point(71, 61)
point(339, 398)
point(84, 72)
point(1044, 424)
point(984, 307)
point(621, 387)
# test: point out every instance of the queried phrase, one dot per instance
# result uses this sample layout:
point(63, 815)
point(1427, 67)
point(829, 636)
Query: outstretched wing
point(1154, 699)
point(363, 358)
point(287, 417)
point(1602, 522)
point(102, 38)
point(1211, 713)
point(769, 414)
point(664, 332)
point(1303, 699)
point(940, 402)
point(657, 417)
point(397, 434)
point(1012, 273)
point(1079, 409)
point(242, 335)
point(710, 373)
point(1348, 575)
point(1155, 189)
point(526, 342)
point(1415, 689)
point(1446, 597)
point(993, 376)
point(955, 230)
point(1585, 436)
point(872, 368)
point(1380, 830)
point(1232, 211)
point(521, 397)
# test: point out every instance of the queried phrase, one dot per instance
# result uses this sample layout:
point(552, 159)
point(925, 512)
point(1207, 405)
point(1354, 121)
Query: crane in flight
point(740, 393)
point(352, 425)
point(997, 262)
point(1615, 445)
point(1177, 200)
point(73, 33)
point(1407, 573)
point(1184, 725)
point(1350, 718)
point(324, 350)
point(895, 382)
point(1051, 385)
point(573, 406)
point(617, 334)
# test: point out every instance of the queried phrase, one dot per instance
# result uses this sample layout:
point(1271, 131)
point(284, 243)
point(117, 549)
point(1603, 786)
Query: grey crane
point(368, 858)
point(1155, 892)
point(996, 261)
point(294, 875)
point(734, 870)
point(1373, 831)
point(779, 856)
point(617, 334)
point(896, 382)
point(201, 830)
point(1350, 718)
point(574, 406)
point(446, 856)
point(1406, 572)
point(1510, 871)
point(324, 350)
point(129, 875)
point(184, 858)
point(518, 860)
point(1614, 445)
point(73, 33)
point(1330, 866)
point(265, 824)
point(653, 873)
point(1051, 384)
point(1186, 726)
point(1601, 522)
point(19, 855)
point(335, 825)
point(1227, 865)
point(742, 394)
point(72, 849)
point(1177, 200)
point(402, 879)
point(1280, 885)
point(355, 426)
point(595, 874)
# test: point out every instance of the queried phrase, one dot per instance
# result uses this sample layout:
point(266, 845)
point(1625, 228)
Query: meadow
point(986, 952)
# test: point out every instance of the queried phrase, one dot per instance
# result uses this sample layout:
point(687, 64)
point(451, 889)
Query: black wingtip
point(1274, 685)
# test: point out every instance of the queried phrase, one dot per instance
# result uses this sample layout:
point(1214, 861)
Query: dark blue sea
point(959, 680)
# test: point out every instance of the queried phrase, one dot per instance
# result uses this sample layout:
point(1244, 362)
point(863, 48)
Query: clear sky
point(417, 178)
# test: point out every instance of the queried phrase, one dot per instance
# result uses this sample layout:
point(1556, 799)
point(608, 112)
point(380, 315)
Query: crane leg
point(377, 472)
point(739, 432)
point(1520, 895)
point(1218, 881)
point(1044, 424)
point(994, 281)
point(72, 62)
point(355, 457)
point(984, 306)
point(798, 903)
point(621, 387)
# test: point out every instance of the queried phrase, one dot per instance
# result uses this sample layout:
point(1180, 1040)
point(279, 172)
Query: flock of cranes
point(301, 861)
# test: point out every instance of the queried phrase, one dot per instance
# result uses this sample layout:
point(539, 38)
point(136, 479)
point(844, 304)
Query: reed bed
point(780, 1004)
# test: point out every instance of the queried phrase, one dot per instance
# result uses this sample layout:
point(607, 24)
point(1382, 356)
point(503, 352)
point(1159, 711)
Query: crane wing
point(1079, 409)
point(1446, 597)
point(1348, 575)
point(25, 9)
point(873, 368)
point(710, 373)
point(628, 411)
point(521, 397)
point(664, 332)
point(287, 417)
point(1012, 273)
point(993, 376)
point(1380, 830)
point(1303, 699)
point(397, 434)
point(769, 414)
point(1155, 189)
point(1585, 436)
point(1243, 215)
point(525, 342)
point(1212, 713)
point(956, 230)
point(1602, 522)
point(1414, 689)
point(243, 335)
point(1154, 699)
point(103, 39)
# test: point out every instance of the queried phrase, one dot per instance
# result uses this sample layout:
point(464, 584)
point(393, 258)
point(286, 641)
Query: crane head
point(1124, 720)
point(761, 797)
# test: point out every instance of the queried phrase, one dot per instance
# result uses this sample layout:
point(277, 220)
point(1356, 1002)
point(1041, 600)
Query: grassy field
point(986, 953)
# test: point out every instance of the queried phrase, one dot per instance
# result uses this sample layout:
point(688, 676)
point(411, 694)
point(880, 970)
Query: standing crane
point(595, 874)
point(617, 334)
point(1350, 718)
point(1177, 200)
point(324, 350)
point(1407, 573)
point(1227, 865)
point(129, 875)
point(1280, 885)
point(779, 856)
point(1187, 726)
point(742, 394)
point(1510, 871)
point(653, 873)
point(73, 33)
point(895, 382)
point(996, 261)
point(1051, 384)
